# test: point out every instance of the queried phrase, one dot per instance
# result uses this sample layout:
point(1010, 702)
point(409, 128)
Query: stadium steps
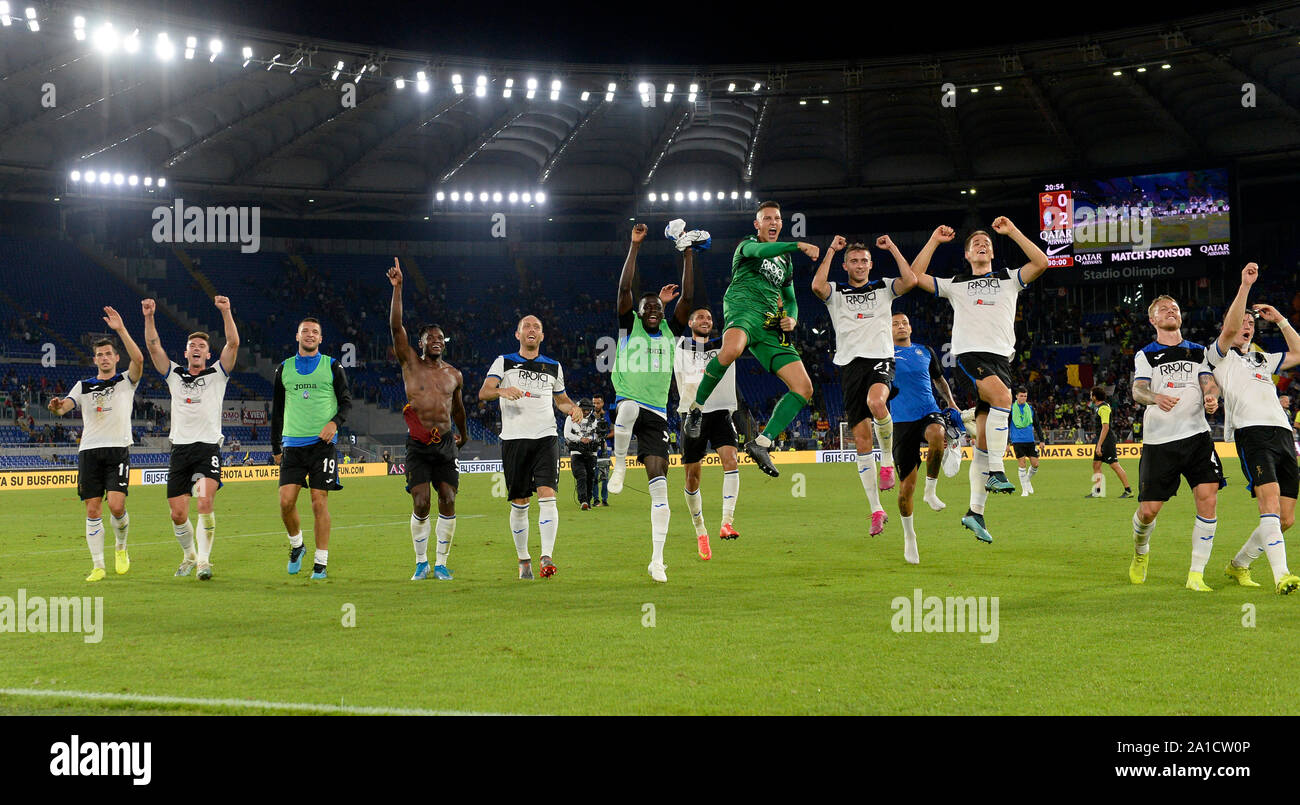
point(113, 266)
point(48, 332)
point(301, 264)
point(199, 276)
point(412, 270)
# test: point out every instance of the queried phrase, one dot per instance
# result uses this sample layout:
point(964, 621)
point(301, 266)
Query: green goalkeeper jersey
point(762, 278)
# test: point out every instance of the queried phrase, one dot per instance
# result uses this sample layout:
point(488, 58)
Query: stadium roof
point(272, 125)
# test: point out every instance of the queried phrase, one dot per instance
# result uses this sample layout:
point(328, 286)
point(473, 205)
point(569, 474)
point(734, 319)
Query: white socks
point(867, 474)
point(95, 539)
point(322, 556)
point(931, 496)
point(1202, 542)
point(207, 533)
point(659, 514)
point(1250, 551)
point(624, 418)
point(696, 507)
point(910, 553)
point(119, 528)
point(995, 436)
point(730, 492)
point(295, 540)
point(979, 465)
point(185, 536)
point(519, 529)
point(445, 531)
point(548, 522)
point(885, 438)
point(1031, 472)
point(1142, 534)
point(420, 537)
point(1270, 534)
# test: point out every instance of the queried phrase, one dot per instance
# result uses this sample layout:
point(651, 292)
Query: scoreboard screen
point(1135, 219)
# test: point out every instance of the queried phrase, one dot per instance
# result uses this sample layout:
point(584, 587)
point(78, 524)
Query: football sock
point(519, 529)
point(1142, 534)
point(1270, 534)
point(1250, 551)
point(548, 523)
point(713, 373)
point(867, 474)
point(322, 556)
point(696, 507)
point(730, 492)
point(207, 533)
point(295, 540)
point(995, 434)
point(446, 531)
point(931, 488)
point(624, 419)
point(120, 527)
point(95, 539)
point(659, 514)
point(185, 536)
point(420, 537)
point(978, 475)
point(786, 410)
point(1202, 542)
point(1032, 471)
point(885, 438)
point(909, 541)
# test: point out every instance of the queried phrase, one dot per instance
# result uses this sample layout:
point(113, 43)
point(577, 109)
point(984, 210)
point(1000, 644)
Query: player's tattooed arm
point(941, 234)
point(1142, 393)
point(458, 411)
point(1236, 314)
point(156, 353)
point(230, 352)
point(401, 345)
point(628, 277)
point(1210, 392)
point(1037, 259)
point(906, 278)
point(821, 284)
point(1271, 314)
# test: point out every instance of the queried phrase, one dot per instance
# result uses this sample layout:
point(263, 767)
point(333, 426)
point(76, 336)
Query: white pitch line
point(234, 536)
point(140, 698)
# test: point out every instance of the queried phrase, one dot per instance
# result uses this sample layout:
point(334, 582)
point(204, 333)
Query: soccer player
point(917, 374)
point(528, 383)
point(104, 457)
point(197, 393)
point(984, 341)
point(643, 373)
point(760, 309)
point(433, 400)
point(1106, 451)
point(1025, 438)
point(864, 349)
point(1172, 379)
point(1263, 436)
point(310, 401)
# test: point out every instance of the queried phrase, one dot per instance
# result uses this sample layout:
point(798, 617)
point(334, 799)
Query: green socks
point(712, 377)
point(786, 410)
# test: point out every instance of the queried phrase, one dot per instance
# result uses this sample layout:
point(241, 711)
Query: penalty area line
point(247, 704)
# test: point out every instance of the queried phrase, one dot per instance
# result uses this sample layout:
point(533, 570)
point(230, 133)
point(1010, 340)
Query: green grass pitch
point(792, 618)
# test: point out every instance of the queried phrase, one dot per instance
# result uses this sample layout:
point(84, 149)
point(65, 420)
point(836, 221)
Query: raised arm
point(114, 320)
point(906, 278)
point(230, 351)
point(628, 277)
point(1292, 356)
point(458, 411)
point(401, 346)
point(686, 304)
point(1037, 260)
point(821, 285)
point(1237, 310)
point(921, 264)
point(156, 353)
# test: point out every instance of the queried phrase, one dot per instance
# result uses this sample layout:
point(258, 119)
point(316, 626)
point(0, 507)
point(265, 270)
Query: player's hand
point(575, 413)
point(1269, 313)
point(327, 432)
point(1166, 402)
point(112, 318)
point(809, 249)
point(668, 293)
point(943, 234)
point(54, 404)
point(511, 393)
point(222, 303)
point(1003, 226)
point(638, 233)
point(148, 307)
point(838, 243)
point(395, 274)
point(461, 439)
point(787, 323)
point(275, 459)
point(1211, 403)
point(1249, 274)
point(883, 242)
point(954, 416)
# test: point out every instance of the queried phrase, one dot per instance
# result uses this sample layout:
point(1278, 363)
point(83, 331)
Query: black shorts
point(651, 433)
point(1267, 456)
point(976, 366)
point(189, 463)
point(529, 464)
point(717, 430)
point(1108, 454)
point(1025, 449)
point(1162, 465)
point(101, 470)
point(432, 463)
point(909, 438)
point(314, 466)
point(858, 376)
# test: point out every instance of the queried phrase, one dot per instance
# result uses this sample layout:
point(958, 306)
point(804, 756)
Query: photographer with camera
point(583, 441)
point(600, 484)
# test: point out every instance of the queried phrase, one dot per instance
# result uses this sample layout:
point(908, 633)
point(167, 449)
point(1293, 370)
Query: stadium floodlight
point(5, 19)
point(609, 91)
point(338, 68)
point(653, 197)
point(974, 90)
point(694, 90)
point(1142, 69)
point(539, 197)
point(514, 197)
point(360, 73)
point(162, 182)
point(734, 195)
point(75, 176)
point(1117, 73)
point(457, 85)
point(972, 191)
point(421, 81)
point(133, 180)
point(585, 95)
point(708, 196)
point(526, 198)
point(274, 59)
point(214, 47)
point(132, 42)
point(105, 177)
point(964, 192)
point(90, 177)
point(455, 195)
point(645, 89)
point(480, 86)
point(825, 101)
point(400, 83)
point(758, 85)
point(678, 196)
point(483, 196)
point(668, 92)
point(79, 28)
point(1165, 66)
point(731, 87)
point(469, 196)
point(439, 196)
point(118, 178)
point(496, 197)
point(148, 181)
point(105, 38)
point(803, 101)
point(191, 45)
point(692, 196)
point(532, 88)
point(997, 87)
point(163, 48)
point(32, 24)
point(509, 90)
point(248, 55)
point(555, 89)
point(748, 195)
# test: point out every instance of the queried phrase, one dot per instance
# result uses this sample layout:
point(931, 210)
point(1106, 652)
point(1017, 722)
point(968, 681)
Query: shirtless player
point(433, 394)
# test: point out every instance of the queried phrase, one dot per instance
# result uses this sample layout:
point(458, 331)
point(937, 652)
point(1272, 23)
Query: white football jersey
point(862, 318)
point(983, 310)
point(1174, 371)
point(105, 410)
point(533, 415)
point(689, 362)
point(196, 403)
point(1246, 379)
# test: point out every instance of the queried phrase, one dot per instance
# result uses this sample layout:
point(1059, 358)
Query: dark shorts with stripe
point(432, 463)
point(189, 463)
point(1109, 452)
point(859, 375)
point(1163, 466)
point(530, 464)
point(1025, 449)
point(716, 429)
point(1267, 456)
point(909, 438)
point(101, 470)
point(975, 366)
point(314, 466)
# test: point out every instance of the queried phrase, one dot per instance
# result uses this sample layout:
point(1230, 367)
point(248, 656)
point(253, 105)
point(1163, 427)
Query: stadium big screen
point(1120, 227)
